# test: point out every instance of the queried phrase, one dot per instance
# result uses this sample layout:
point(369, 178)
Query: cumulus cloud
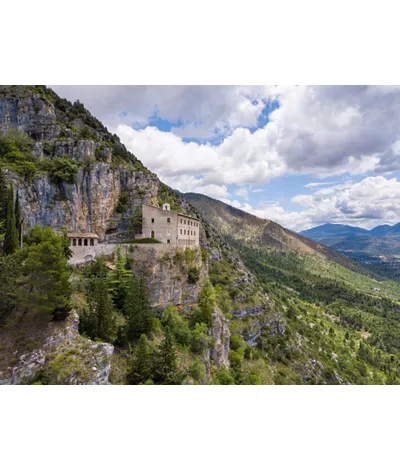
point(324, 131)
point(202, 111)
point(373, 201)
point(390, 160)
point(210, 169)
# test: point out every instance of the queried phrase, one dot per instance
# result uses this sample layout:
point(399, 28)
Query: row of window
point(190, 222)
point(192, 232)
point(85, 242)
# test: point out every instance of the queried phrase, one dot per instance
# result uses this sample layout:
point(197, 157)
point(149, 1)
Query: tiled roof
point(82, 235)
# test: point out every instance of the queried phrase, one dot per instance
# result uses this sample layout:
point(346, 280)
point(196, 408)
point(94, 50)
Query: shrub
point(199, 340)
point(223, 377)
point(193, 275)
point(177, 325)
point(62, 169)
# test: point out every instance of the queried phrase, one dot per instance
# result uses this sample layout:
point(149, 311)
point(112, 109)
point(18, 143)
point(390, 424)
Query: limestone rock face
point(90, 204)
point(67, 356)
point(167, 274)
point(28, 112)
point(221, 335)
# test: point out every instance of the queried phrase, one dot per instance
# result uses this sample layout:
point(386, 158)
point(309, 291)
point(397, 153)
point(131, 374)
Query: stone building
point(83, 239)
point(169, 227)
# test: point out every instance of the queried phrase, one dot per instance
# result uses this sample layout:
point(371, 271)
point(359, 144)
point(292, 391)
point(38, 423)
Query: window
point(194, 233)
point(185, 232)
point(74, 242)
point(91, 242)
point(153, 233)
point(152, 221)
point(168, 220)
point(168, 241)
point(85, 241)
point(181, 220)
point(181, 231)
point(184, 222)
point(79, 241)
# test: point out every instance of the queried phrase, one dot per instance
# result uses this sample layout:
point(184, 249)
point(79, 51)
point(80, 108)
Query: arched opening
point(168, 241)
point(153, 234)
point(85, 242)
point(91, 242)
point(79, 241)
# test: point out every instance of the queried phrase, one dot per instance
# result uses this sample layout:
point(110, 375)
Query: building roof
point(179, 213)
point(82, 235)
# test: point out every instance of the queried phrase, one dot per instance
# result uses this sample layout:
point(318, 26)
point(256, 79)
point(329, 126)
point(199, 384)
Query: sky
point(301, 156)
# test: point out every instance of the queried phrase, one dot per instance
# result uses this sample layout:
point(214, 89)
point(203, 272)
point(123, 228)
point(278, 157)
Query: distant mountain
point(394, 231)
point(377, 246)
point(330, 234)
point(381, 230)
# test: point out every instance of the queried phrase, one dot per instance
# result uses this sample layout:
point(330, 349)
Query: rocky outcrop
point(221, 335)
point(27, 111)
point(166, 270)
point(66, 358)
point(257, 320)
point(89, 205)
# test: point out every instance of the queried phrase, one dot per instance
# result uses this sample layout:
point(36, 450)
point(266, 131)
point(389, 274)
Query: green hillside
point(337, 312)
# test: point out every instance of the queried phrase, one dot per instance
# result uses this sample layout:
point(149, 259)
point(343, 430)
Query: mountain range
point(381, 240)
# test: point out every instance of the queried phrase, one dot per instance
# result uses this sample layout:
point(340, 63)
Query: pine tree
point(3, 201)
point(44, 287)
point(166, 370)
point(138, 310)
point(11, 237)
point(206, 302)
point(100, 321)
point(18, 220)
point(120, 279)
point(141, 371)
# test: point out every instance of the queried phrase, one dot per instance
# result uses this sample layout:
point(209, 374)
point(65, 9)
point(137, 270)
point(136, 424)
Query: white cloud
point(239, 159)
point(317, 185)
point(324, 131)
point(373, 201)
point(243, 192)
point(204, 111)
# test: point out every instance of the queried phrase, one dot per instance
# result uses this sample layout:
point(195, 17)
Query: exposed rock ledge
point(69, 357)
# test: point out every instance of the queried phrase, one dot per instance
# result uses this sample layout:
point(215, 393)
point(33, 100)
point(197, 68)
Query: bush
point(223, 377)
point(62, 169)
point(193, 275)
point(199, 340)
point(177, 325)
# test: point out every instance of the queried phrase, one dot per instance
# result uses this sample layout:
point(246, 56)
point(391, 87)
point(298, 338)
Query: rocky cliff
point(109, 184)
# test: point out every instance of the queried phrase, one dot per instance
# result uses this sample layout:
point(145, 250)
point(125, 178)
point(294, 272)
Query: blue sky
point(298, 155)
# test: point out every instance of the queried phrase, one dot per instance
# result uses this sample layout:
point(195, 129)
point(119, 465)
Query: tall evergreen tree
point(3, 201)
point(166, 369)
point(137, 309)
point(44, 287)
point(142, 364)
point(100, 321)
point(120, 279)
point(11, 237)
point(18, 219)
